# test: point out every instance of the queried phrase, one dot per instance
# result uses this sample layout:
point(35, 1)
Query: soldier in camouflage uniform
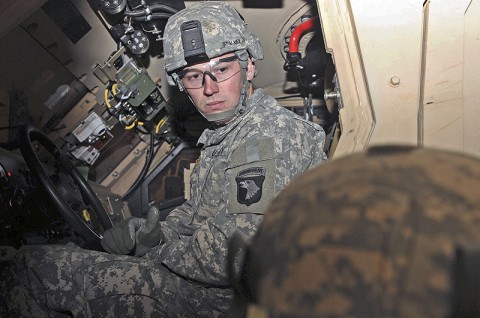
point(254, 148)
point(375, 234)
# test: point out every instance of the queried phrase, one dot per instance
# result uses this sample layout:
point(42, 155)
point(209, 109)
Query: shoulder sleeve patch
point(250, 185)
point(251, 177)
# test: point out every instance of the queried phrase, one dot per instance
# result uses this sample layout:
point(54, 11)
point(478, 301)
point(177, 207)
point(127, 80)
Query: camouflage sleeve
point(202, 257)
point(318, 154)
point(302, 149)
point(178, 222)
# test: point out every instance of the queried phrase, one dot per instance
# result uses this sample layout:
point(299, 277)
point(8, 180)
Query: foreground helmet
point(394, 232)
point(204, 31)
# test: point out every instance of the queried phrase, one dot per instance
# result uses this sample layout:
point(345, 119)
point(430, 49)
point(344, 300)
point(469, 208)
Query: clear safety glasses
point(219, 70)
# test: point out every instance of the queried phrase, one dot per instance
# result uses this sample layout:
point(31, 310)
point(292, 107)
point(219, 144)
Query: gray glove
point(134, 235)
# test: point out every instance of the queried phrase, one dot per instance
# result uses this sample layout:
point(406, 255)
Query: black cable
point(135, 13)
point(142, 130)
point(148, 161)
point(153, 8)
point(288, 96)
point(153, 16)
point(162, 7)
point(161, 15)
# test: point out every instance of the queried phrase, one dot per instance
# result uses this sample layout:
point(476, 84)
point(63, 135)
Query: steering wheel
point(68, 197)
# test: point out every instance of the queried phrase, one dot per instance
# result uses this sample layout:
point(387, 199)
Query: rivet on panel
point(394, 81)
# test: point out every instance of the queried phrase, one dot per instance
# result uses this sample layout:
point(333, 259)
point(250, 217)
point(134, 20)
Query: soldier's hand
point(135, 235)
point(150, 234)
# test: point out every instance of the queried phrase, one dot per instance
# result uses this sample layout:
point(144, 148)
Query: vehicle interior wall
point(407, 72)
point(452, 73)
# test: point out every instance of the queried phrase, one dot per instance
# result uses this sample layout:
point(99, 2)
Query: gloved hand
point(135, 235)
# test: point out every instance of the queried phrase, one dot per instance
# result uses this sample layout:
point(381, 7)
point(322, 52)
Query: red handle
point(297, 34)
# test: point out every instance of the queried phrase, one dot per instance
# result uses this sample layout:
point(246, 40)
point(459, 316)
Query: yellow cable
point(106, 99)
point(159, 125)
point(114, 92)
point(131, 125)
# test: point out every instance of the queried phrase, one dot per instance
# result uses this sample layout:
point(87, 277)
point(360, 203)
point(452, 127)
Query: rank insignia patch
point(249, 185)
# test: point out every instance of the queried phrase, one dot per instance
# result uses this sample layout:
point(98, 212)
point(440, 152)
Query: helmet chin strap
point(228, 115)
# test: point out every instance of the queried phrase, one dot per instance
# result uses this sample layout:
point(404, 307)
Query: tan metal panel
point(444, 108)
point(389, 35)
point(356, 116)
point(471, 79)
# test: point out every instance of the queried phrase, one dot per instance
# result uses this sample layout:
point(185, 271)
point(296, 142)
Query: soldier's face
point(217, 83)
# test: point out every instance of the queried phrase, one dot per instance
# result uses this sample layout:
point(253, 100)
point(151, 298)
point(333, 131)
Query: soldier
point(253, 149)
point(375, 234)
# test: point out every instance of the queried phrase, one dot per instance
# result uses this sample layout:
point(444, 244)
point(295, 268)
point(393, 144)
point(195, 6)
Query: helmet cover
point(222, 28)
point(372, 234)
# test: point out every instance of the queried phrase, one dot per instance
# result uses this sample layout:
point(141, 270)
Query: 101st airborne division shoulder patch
point(249, 185)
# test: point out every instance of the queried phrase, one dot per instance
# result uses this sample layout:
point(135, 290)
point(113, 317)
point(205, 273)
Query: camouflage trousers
point(66, 281)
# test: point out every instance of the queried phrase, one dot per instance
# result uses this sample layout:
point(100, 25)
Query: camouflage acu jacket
point(242, 166)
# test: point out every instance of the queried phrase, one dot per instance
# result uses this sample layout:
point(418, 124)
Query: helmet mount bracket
point(193, 43)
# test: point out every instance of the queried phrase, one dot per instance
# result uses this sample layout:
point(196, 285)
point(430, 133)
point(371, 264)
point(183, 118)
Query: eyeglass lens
point(219, 71)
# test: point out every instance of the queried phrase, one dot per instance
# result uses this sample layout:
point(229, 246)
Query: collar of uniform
point(211, 136)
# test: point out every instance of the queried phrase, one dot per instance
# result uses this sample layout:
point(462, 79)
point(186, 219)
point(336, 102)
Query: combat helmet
point(204, 31)
point(392, 232)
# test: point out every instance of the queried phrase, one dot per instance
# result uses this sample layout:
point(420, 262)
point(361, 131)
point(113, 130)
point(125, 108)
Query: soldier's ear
point(251, 70)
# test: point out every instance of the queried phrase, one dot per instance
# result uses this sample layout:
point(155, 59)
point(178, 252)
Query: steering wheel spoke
point(66, 188)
